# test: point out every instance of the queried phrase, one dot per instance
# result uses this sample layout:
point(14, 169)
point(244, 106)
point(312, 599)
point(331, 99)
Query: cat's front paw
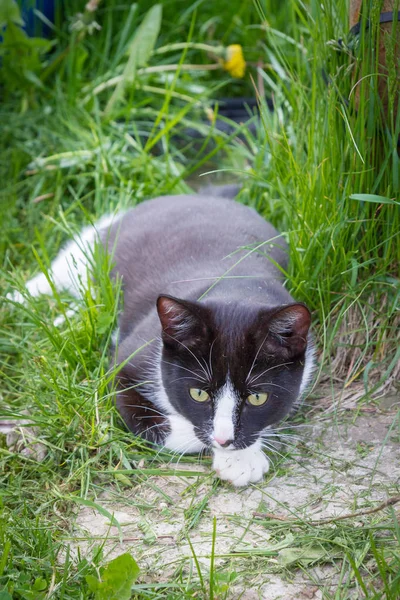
point(241, 467)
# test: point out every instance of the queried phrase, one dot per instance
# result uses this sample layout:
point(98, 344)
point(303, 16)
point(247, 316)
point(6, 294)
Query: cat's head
point(233, 370)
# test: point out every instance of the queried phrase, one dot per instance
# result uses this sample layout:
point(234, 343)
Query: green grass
point(71, 151)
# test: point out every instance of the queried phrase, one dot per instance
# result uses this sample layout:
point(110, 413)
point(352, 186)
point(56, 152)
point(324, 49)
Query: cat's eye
point(199, 395)
point(257, 399)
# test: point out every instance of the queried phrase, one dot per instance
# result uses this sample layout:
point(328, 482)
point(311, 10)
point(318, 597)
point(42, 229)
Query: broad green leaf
point(146, 35)
point(116, 581)
point(4, 595)
point(32, 594)
point(140, 48)
point(373, 198)
point(40, 584)
point(93, 583)
point(21, 59)
point(9, 13)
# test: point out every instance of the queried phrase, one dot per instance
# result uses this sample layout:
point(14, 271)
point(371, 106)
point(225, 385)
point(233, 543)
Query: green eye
point(257, 399)
point(199, 395)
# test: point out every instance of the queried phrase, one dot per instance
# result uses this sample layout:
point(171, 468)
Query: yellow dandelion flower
point(234, 61)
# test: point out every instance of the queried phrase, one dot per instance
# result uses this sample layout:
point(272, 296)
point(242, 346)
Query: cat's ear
point(182, 322)
point(288, 330)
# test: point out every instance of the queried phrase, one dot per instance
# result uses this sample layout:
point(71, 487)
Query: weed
point(116, 108)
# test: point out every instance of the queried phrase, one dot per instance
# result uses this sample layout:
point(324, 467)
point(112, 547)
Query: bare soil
point(344, 461)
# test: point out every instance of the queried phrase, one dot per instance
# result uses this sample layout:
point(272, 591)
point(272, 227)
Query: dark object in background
point(237, 110)
point(387, 62)
point(33, 24)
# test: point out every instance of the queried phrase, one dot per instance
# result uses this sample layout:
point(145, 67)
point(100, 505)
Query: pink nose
point(220, 440)
point(223, 442)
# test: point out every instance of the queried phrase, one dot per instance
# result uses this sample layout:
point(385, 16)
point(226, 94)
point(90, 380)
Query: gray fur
point(167, 245)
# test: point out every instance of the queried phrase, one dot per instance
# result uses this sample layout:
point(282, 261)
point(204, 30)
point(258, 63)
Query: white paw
point(241, 467)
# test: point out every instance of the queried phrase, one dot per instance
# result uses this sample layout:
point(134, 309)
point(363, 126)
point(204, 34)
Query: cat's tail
point(69, 270)
point(230, 190)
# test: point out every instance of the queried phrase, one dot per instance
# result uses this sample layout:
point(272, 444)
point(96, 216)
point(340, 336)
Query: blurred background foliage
point(124, 101)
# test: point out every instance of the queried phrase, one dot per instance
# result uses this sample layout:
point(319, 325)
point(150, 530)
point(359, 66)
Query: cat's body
point(213, 349)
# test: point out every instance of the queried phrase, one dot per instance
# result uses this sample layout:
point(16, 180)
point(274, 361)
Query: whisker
point(255, 358)
point(274, 433)
point(268, 383)
point(192, 378)
point(182, 449)
point(195, 357)
point(127, 405)
point(273, 446)
point(153, 427)
point(145, 432)
point(201, 453)
point(196, 427)
point(279, 438)
point(250, 382)
point(197, 376)
point(290, 426)
point(146, 417)
point(136, 366)
point(273, 450)
point(206, 368)
point(280, 443)
point(209, 357)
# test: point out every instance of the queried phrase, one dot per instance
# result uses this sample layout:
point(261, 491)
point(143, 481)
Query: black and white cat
point(224, 351)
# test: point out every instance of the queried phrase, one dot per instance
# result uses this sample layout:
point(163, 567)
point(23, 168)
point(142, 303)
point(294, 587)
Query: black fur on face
point(138, 413)
point(232, 350)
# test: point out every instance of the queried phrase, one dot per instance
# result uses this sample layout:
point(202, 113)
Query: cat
point(212, 351)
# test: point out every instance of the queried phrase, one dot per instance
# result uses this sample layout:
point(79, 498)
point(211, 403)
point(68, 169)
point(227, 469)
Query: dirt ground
point(345, 460)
